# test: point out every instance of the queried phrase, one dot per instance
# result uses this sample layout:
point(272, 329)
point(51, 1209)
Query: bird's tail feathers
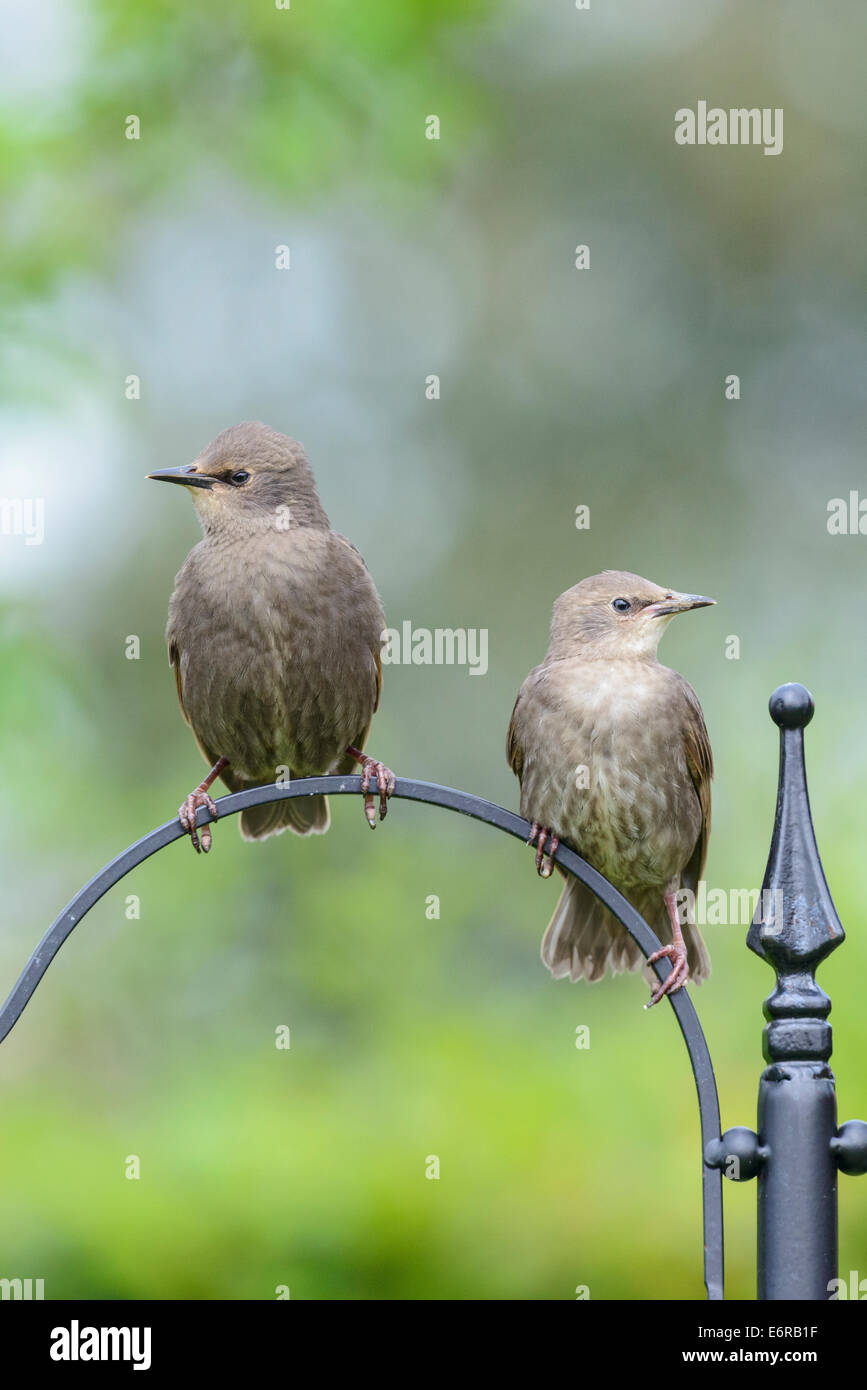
point(305, 815)
point(584, 941)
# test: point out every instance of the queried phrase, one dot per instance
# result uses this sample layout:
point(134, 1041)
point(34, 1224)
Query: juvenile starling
point(613, 758)
point(274, 632)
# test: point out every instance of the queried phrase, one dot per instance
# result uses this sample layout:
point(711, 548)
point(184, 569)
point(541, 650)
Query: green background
point(605, 387)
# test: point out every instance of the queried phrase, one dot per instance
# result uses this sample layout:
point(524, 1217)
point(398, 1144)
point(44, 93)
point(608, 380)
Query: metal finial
point(795, 925)
point(791, 706)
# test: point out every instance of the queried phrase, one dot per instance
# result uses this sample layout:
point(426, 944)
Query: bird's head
point(250, 478)
point(616, 614)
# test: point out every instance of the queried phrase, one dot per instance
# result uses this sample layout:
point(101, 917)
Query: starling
point(614, 760)
point(274, 632)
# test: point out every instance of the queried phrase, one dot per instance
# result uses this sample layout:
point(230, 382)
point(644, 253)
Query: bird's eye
point(239, 479)
point(621, 605)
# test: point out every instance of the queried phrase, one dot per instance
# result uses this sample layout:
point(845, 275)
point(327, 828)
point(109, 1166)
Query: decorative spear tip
point(791, 706)
point(795, 923)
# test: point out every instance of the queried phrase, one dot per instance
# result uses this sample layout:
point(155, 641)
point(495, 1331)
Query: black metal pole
point(797, 1203)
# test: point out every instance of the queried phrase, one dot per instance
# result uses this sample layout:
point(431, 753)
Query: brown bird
point(274, 632)
point(614, 760)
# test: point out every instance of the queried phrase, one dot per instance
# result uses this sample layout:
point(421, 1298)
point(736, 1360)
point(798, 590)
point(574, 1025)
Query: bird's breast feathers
point(277, 647)
point(604, 764)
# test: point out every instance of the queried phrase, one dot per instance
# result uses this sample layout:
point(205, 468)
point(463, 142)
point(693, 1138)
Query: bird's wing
point(523, 710)
point(514, 748)
point(348, 763)
point(175, 661)
point(377, 651)
point(699, 760)
point(378, 660)
point(338, 536)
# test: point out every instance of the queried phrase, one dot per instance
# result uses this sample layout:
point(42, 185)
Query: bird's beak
point(186, 475)
point(678, 603)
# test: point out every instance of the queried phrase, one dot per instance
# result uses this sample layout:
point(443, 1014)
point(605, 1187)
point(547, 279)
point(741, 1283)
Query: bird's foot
point(372, 769)
point(540, 836)
point(187, 816)
point(677, 976)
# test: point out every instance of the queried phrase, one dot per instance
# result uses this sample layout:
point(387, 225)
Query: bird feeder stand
point(797, 1149)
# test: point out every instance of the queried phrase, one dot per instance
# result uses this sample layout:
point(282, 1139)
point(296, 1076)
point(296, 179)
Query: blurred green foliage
point(411, 1037)
point(293, 100)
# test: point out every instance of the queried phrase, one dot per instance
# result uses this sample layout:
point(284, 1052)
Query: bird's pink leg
point(676, 953)
point(385, 781)
point(201, 797)
point(540, 835)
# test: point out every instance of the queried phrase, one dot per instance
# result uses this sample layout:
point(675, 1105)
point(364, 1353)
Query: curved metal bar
point(466, 805)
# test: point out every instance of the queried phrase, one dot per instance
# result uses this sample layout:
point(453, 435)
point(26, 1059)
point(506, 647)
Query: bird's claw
point(677, 976)
point(187, 816)
point(540, 836)
point(385, 781)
